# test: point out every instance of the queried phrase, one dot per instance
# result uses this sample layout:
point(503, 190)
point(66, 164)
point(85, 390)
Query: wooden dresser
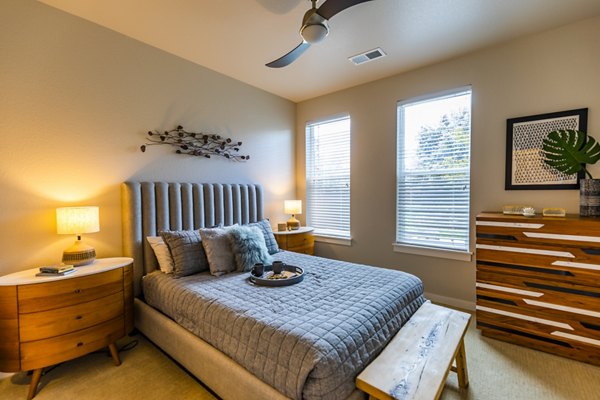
point(300, 240)
point(48, 320)
point(538, 282)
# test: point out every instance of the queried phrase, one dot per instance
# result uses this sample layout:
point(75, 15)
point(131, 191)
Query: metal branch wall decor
point(196, 144)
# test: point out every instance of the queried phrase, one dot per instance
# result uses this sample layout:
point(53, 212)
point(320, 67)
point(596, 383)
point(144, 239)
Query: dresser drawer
point(60, 321)
point(300, 240)
point(41, 353)
point(66, 292)
point(565, 264)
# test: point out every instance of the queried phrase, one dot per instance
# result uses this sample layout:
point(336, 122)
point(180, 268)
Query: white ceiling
point(237, 37)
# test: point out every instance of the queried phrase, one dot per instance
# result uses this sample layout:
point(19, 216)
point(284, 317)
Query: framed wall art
point(525, 167)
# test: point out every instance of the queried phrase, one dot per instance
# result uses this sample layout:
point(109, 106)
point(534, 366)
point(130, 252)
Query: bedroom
point(77, 100)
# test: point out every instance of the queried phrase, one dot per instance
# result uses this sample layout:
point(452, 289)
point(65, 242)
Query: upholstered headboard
point(148, 207)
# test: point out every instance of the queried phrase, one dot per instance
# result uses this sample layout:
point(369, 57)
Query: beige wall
point(75, 103)
point(553, 71)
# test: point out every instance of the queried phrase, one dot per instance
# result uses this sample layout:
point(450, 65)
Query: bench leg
point(461, 365)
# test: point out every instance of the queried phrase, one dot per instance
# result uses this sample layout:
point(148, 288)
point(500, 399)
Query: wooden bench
point(416, 362)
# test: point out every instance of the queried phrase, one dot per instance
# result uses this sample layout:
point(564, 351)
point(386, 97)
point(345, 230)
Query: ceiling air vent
point(367, 56)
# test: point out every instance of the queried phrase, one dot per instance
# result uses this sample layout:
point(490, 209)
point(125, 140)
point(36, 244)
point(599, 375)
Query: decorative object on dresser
point(515, 209)
point(568, 151)
point(554, 212)
point(525, 166)
point(48, 320)
point(76, 221)
point(538, 283)
point(299, 241)
point(196, 144)
point(292, 207)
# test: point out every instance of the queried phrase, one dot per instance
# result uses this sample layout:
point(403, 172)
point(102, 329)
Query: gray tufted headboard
point(148, 207)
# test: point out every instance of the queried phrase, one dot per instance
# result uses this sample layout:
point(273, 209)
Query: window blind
point(433, 171)
point(328, 177)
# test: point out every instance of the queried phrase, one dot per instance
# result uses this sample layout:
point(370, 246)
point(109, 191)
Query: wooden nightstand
point(299, 241)
point(48, 320)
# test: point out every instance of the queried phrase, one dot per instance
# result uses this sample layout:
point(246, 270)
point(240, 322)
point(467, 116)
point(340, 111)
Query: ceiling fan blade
point(332, 7)
point(289, 57)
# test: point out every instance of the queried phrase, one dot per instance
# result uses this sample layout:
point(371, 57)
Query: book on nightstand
point(56, 273)
point(56, 270)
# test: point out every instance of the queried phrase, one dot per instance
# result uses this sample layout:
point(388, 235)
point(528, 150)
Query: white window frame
point(447, 252)
point(321, 233)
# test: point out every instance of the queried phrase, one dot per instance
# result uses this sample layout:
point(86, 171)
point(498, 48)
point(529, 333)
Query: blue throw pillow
point(265, 227)
point(249, 247)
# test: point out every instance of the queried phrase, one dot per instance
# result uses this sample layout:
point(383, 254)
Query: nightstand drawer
point(66, 292)
point(41, 353)
point(303, 249)
point(299, 240)
point(60, 321)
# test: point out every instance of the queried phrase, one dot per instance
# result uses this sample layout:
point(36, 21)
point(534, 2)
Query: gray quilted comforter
point(308, 340)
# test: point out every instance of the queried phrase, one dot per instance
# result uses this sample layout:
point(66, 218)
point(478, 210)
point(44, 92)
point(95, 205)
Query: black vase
point(589, 198)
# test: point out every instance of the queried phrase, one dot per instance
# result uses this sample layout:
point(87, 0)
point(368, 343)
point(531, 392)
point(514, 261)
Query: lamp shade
point(77, 220)
point(292, 206)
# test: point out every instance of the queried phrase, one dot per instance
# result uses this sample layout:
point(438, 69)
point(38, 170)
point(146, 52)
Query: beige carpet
point(497, 371)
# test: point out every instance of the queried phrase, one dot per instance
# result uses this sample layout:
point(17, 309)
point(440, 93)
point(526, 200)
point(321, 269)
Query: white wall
point(76, 101)
point(553, 71)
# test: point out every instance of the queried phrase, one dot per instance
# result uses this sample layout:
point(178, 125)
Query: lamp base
point(293, 224)
point(79, 254)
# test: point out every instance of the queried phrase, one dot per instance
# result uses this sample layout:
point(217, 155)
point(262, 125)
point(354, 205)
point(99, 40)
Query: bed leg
point(461, 365)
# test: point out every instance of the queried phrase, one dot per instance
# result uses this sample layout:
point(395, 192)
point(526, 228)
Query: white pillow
point(162, 253)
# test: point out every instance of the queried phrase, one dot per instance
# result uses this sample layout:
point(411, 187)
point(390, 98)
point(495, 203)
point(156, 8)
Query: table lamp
point(293, 207)
point(76, 221)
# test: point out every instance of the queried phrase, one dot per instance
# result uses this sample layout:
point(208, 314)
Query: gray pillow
point(187, 252)
point(265, 227)
point(249, 247)
point(218, 249)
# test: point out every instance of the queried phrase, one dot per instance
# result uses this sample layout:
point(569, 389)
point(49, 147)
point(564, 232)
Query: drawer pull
point(78, 317)
point(77, 290)
point(79, 344)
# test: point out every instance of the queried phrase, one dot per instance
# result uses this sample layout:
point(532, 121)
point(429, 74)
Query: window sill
point(433, 252)
point(333, 240)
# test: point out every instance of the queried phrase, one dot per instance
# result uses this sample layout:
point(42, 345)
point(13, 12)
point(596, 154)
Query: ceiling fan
point(314, 27)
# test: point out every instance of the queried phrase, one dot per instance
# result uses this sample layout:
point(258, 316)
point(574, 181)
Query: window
point(433, 179)
point(328, 177)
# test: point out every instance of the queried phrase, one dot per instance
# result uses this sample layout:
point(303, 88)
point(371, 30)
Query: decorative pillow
point(265, 227)
point(187, 252)
point(249, 247)
point(218, 249)
point(162, 253)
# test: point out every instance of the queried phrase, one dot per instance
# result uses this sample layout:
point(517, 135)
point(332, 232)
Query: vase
point(589, 198)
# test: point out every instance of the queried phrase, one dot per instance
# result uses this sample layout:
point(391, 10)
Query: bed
point(304, 341)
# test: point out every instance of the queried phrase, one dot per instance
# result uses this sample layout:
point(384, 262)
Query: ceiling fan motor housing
point(314, 27)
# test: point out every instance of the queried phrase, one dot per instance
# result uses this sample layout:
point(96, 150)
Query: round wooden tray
point(265, 281)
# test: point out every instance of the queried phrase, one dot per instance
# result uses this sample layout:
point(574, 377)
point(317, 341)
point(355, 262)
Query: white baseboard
point(451, 301)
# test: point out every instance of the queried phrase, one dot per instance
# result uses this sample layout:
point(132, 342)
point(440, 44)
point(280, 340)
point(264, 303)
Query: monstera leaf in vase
point(568, 151)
